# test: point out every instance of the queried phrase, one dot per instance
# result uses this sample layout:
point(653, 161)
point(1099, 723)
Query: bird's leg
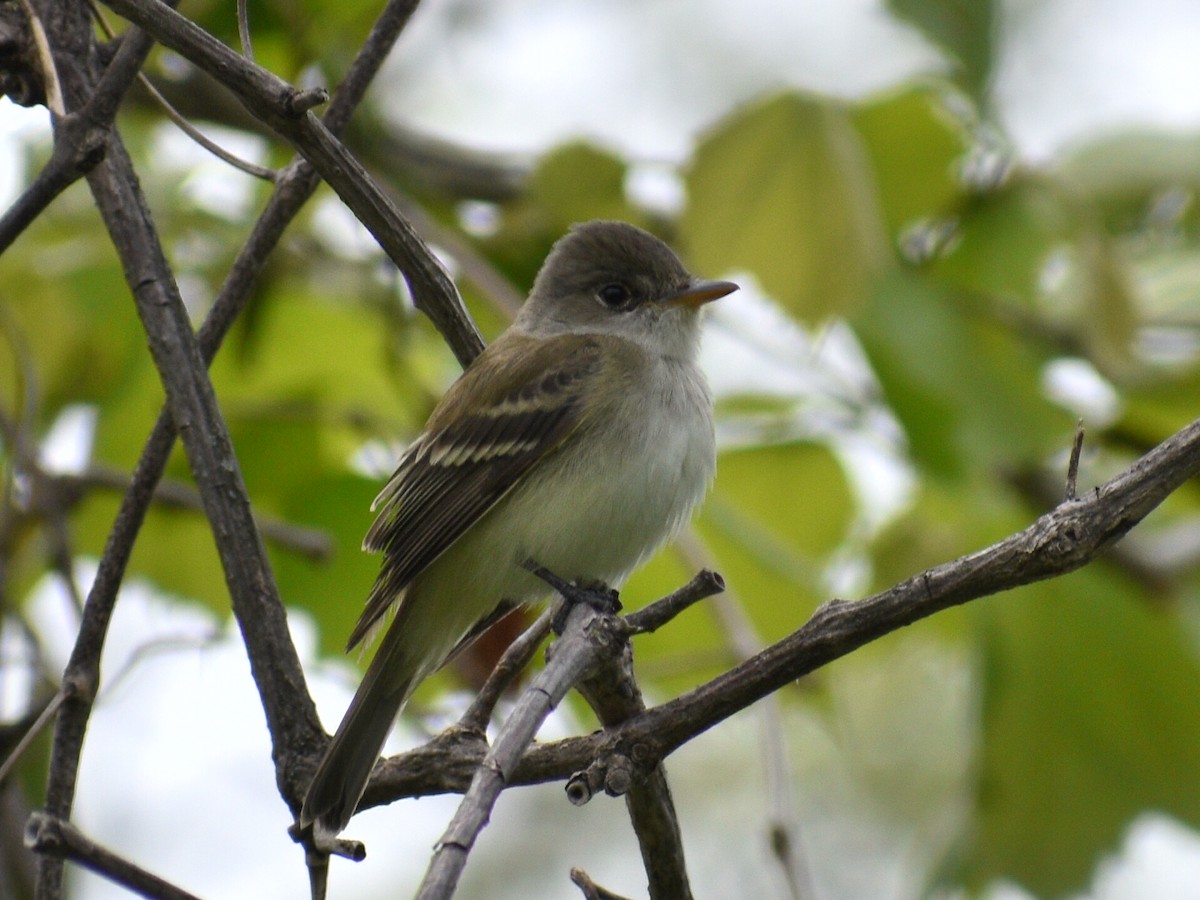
point(593, 592)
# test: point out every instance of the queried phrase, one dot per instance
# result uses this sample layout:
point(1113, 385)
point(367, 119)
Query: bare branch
point(282, 107)
point(613, 693)
point(54, 97)
point(210, 453)
point(1073, 463)
point(398, 155)
point(650, 618)
point(294, 761)
point(183, 124)
point(52, 836)
point(1059, 542)
point(79, 138)
point(587, 635)
point(518, 655)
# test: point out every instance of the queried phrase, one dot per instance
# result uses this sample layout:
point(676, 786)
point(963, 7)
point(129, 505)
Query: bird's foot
point(592, 591)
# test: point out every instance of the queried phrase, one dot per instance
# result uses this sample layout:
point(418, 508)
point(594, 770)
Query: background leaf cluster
point(963, 276)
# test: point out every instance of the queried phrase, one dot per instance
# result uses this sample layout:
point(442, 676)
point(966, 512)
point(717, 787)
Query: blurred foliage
point(964, 29)
point(964, 277)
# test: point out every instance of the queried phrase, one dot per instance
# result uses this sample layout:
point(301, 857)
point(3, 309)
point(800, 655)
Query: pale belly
point(599, 528)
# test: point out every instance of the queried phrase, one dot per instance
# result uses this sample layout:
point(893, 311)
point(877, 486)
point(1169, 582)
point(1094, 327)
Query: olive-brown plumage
point(581, 438)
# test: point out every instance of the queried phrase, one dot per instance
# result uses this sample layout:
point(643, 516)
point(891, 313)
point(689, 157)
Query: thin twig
point(243, 20)
point(1073, 463)
point(297, 183)
point(1059, 542)
point(244, 165)
point(80, 138)
point(650, 618)
point(54, 95)
point(584, 639)
point(282, 107)
point(44, 718)
point(591, 890)
point(511, 664)
point(181, 121)
point(51, 836)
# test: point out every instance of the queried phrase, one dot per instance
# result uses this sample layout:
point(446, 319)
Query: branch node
point(643, 754)
point(80, 142)
point(77, 686)
point(614, 774)
point(320, 846)
point(834, 605)
point(579, 788)
point(301, 101)
point(591, 890)
point(618, 777)
point(347, 848)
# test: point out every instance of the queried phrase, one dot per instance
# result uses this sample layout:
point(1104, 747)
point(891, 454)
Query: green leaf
point(80, 334)
point(1124, 171)
point(1091, 716)
point(770, 522)
point(963, 28)
point(774, 516)
point(1005, 238)
point(966, 390)
point(578, 182)
point(333, 590)
point(785, 190)
point(1036, 247)
point(915, 144)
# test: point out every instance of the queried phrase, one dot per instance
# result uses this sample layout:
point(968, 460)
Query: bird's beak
point(700, 292)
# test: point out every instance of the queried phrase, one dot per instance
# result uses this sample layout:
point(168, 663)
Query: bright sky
point(523, 73)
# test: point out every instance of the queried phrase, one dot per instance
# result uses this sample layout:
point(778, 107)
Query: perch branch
point(1064, 539)
point(613, 693)
point(587, 635)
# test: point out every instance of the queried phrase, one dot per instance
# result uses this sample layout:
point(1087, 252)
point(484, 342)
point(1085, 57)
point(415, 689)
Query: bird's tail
point(342, 776)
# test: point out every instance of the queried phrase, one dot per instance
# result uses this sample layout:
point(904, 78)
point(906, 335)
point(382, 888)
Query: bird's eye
point(613, 295)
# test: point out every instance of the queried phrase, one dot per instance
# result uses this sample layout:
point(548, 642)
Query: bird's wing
point(467, 459)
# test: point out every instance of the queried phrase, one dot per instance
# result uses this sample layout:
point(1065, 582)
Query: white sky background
point(523, 74)
point(520, 75)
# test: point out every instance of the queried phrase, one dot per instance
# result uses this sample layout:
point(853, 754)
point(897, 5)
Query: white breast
point(607, 519)
point(659, 457)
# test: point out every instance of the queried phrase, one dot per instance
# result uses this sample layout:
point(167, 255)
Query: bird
point(581, 439)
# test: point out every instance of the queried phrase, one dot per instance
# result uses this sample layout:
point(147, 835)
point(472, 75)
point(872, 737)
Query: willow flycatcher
point(581, 439)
